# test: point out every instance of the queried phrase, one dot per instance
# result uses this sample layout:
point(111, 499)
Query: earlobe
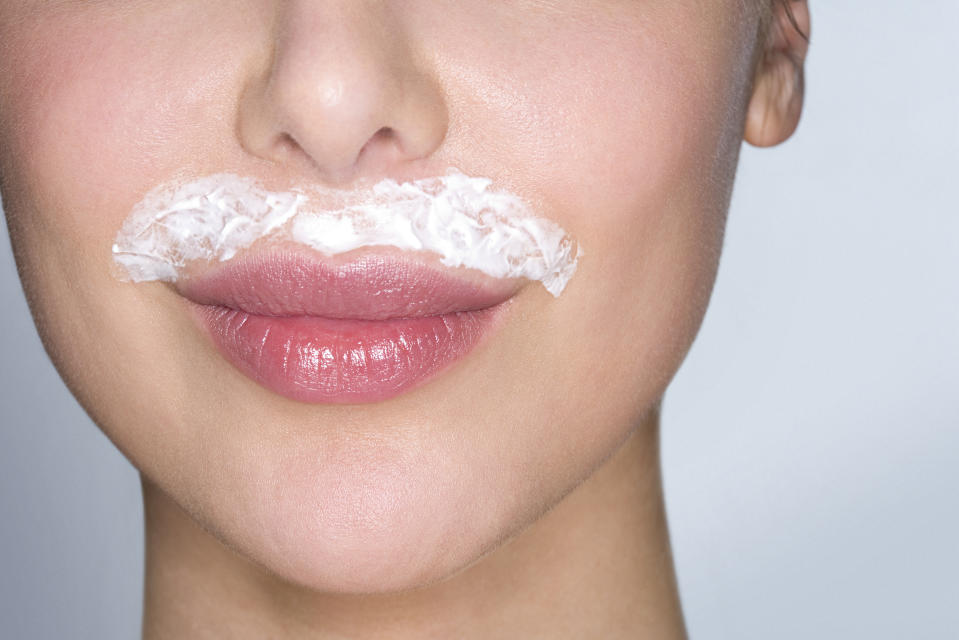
point(778, 87)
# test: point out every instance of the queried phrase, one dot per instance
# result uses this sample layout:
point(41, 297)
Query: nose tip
point(342, 95)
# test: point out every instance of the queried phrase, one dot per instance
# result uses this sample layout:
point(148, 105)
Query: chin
point(368, 518)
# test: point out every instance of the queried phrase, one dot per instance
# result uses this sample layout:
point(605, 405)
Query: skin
point(517, 494)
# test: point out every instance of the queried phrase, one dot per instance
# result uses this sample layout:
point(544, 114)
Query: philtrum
point(459, 217)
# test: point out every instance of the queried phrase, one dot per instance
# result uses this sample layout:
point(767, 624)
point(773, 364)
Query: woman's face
point(620, 120)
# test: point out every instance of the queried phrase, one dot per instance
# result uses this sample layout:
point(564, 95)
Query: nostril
point(332, 83)
point(288, 144)
point(385, 134)
point(288, 148)
point(384, 137)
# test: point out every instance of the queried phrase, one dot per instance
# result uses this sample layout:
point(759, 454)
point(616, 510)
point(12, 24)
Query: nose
point(343, 93)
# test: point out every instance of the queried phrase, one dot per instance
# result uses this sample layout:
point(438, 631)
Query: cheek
point(627, 131)
point(643, 179)
point(93, 109)
point(126, 97)
point(96, 104)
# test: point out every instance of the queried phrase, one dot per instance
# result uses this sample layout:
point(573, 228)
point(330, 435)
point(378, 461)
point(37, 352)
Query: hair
point(767, 11)
point(770, 28)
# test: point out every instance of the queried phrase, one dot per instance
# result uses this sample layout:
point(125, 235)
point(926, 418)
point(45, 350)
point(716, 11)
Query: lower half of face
point(621, 121)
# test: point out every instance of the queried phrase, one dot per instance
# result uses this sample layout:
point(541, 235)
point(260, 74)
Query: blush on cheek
point(652, 184)
point(649, 121)
point(99, 106)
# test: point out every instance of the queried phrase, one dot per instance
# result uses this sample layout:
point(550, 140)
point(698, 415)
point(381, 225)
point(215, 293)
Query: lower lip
point(344, 361)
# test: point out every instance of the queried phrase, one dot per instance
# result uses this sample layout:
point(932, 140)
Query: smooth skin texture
point(518, 494)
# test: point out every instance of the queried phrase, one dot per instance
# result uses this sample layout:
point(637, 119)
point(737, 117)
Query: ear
point(778, 85)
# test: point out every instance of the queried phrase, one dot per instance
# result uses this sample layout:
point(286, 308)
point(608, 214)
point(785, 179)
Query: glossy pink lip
point(364, 330)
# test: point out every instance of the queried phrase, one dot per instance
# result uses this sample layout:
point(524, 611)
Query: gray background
point(811, 448)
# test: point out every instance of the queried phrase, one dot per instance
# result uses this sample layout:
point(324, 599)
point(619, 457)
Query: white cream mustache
point(456, 216)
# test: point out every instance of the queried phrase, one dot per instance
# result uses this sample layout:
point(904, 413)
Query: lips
point(346, 331)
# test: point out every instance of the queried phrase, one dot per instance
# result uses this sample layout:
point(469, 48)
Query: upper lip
point(368, 286)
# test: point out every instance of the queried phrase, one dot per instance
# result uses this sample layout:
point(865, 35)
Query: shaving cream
point(456, 216)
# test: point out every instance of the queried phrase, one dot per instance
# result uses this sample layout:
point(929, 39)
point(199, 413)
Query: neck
point(596, 565)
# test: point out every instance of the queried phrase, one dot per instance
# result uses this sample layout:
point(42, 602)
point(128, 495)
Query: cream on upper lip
point(456, 216)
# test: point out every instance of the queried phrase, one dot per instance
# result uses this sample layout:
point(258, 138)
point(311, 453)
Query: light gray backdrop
point(811, 439)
